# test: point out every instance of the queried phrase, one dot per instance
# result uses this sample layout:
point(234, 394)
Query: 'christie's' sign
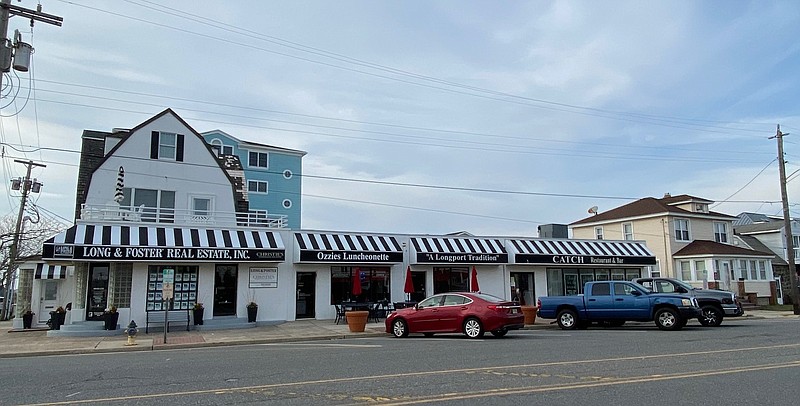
point(117, 253)
point(582, 260)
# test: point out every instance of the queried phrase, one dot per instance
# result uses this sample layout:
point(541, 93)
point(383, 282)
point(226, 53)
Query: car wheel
point(400, 328)
point(567, 319)
point(499, 333)
point(473, 328)
point(429, 335)
point(668, 319)
point(712, 316)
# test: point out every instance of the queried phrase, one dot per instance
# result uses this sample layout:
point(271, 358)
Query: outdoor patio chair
point(340, 315)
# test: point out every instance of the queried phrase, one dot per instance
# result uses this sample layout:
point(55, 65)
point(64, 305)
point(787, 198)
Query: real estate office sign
point(160, 254)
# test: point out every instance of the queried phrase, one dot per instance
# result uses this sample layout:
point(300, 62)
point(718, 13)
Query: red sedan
point(457, 312)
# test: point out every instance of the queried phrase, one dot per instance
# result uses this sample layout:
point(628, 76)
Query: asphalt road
point(742, 362)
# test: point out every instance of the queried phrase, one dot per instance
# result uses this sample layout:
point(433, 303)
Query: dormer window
point(700, 208)
point(220, 148)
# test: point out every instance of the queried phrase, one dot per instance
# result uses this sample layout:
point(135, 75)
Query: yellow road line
point(411, 374)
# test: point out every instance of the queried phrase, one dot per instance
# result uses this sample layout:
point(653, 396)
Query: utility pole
point(27, 185)
point(8, 10)
point(787, 225)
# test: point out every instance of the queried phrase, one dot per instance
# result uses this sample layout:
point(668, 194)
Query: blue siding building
point(272, 175)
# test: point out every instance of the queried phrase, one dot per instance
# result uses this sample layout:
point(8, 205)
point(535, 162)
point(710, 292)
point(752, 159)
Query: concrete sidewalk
point(36, 343)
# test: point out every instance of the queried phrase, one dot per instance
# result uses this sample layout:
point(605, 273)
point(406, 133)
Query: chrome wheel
point(668, 319)
point(399, 328)
point(473, 328)
point(567, 319)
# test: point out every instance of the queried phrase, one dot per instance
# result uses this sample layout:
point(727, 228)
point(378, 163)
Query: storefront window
point(571, 281)
point(374, 283)
point(454, 279)
point(184, 291)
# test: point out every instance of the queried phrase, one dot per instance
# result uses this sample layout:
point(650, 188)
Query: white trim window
point(258, 186)
point(686, 270)
point(258, 160)
point(682, 230)
point(167, 145)
point(762, 269)
point(598, 233)
point(700, 271)
point(220, 148)
point(796, 246)
point(627, 231)
point(721, 232)
point(202, 206)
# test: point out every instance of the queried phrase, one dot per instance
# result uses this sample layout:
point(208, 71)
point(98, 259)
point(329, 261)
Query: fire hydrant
point(131, 332)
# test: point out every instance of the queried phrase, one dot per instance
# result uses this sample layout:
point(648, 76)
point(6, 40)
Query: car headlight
point(686, 302)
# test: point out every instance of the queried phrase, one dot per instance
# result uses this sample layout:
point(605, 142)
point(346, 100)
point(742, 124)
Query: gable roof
point(756, 244)
point(245, 144)
point(773, 226)
point(706, 247)
point(650, 206)
point(126, 135)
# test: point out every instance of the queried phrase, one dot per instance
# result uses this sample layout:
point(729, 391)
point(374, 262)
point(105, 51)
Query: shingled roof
point(706, 247)
point(649, 206)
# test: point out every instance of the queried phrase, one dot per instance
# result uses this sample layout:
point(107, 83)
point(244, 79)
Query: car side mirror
point(636, 293)
point(417, 307)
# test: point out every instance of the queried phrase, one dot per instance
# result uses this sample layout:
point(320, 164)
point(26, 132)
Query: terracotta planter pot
point(357, 320)
point(530, 314)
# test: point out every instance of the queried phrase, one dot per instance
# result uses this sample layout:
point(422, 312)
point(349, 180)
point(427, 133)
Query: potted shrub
point(529, 312)
point(27, 318)
point(357, 320)
point(252, 311)
point(57, 318)
point(110, 318)
point(198, 314)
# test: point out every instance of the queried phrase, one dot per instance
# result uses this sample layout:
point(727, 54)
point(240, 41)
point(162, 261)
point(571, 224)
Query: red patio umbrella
point(474, 283)
point(409, 288)
point(356, 281)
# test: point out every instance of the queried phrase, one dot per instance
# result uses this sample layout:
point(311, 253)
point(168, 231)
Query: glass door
point(97, 300)
point(306, 293)
point(49, 300)
point(225, 281)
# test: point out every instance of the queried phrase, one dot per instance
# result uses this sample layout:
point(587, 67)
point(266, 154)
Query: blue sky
point(510, 114)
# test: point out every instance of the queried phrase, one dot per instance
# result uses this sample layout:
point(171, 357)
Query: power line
point(482, 93)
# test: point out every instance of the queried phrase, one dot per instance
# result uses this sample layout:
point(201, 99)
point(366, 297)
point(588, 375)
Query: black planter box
point(251, 314)
point(198, 316)
point(110, 320)
point(27, 320)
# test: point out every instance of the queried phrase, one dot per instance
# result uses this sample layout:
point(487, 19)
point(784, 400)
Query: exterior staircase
point(747, 304)
point(85, 329)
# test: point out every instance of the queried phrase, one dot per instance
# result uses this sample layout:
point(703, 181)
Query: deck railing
point(132, 214)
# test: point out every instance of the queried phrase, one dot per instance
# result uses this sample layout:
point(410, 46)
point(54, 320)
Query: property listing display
point(184, 288)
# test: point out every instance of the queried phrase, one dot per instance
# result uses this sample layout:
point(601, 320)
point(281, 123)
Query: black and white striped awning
point(459, 250)
point(580, 252)
point(106, 243)
point(347, 248)
point(44, 271)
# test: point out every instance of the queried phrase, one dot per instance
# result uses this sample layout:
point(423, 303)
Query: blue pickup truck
point(615, 302)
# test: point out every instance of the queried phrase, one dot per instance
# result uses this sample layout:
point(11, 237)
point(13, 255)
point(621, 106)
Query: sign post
point(166, 293)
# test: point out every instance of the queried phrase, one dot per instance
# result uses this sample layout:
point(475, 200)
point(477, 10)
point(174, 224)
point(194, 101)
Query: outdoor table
point(351, 306)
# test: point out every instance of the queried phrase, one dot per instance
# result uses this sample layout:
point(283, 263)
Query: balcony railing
point(142, 214)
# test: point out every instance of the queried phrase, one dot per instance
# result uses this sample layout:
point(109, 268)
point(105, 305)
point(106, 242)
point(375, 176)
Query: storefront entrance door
point(97, 300)
point(306, 293)
point(225, 281)
point(49, 300)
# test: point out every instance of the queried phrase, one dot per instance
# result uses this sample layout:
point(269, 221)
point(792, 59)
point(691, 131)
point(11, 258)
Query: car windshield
point(684, 285)
point(489, 298)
